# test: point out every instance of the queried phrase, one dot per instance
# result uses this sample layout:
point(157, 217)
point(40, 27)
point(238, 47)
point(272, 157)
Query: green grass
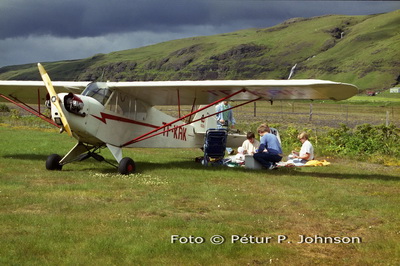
point(88, 214)
point(373, 100)
point(384, 99)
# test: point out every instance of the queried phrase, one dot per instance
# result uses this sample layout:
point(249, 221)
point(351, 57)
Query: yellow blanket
point(317, 163)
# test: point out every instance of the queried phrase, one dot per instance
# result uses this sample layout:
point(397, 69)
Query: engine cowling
point(74, 104)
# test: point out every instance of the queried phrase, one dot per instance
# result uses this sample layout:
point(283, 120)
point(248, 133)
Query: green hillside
point(363, 50)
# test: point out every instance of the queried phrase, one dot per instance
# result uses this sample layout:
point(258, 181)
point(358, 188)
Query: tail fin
point(202, 125)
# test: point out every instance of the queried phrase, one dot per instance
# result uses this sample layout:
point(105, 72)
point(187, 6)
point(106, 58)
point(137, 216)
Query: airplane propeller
point(54, 98)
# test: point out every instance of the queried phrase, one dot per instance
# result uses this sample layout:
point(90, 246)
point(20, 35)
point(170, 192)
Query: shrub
point(15, 114)
point(364, 140)
point(4, 108)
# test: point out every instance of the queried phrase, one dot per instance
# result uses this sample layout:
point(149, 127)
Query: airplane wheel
point(126, 166)
point(53, 162)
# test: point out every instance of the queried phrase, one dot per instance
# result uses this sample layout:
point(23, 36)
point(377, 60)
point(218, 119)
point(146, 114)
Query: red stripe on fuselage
point(105, 116)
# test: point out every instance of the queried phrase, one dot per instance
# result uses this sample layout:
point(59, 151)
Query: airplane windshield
point(98, 91)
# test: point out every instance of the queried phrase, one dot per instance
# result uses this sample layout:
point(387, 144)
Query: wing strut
point(27, 106)
point(191, 111)
point(156, 134)
point(179, 119)
point(179, 103)
point(29, 109)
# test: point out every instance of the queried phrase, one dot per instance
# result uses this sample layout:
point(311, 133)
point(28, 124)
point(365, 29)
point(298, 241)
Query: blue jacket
point(271, 143)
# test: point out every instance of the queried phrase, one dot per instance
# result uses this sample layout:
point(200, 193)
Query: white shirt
point(249, 147)
point(307, 148)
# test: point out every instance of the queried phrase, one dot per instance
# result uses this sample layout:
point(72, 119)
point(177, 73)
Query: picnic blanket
point(317, 163)
point(309, 163)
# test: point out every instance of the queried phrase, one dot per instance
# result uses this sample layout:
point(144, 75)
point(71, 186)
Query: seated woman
point(250, 145)
point(306, 152)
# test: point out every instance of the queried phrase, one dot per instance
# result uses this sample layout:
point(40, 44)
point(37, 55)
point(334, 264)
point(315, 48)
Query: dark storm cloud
point(94, 18)
point(36, 18)
point(77, 18)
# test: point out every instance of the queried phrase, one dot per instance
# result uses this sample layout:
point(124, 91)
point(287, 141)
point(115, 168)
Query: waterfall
point(292, 71)
point(341, 35)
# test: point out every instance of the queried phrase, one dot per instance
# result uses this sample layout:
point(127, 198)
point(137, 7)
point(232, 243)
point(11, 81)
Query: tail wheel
point(126, 166)
point(53, 162)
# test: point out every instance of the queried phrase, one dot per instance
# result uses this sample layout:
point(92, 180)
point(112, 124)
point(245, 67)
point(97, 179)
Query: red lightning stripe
point(105, 116)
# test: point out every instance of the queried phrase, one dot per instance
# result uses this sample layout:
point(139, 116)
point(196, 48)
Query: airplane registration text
point(177, 133)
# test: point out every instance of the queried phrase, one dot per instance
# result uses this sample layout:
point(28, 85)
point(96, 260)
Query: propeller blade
point(54, 98)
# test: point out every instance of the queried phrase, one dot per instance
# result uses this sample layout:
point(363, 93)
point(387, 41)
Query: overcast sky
point(34, 31)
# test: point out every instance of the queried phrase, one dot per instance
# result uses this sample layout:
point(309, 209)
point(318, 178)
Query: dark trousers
point(267, 159)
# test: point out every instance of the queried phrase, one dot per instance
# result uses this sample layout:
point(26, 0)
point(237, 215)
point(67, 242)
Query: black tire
point(53, 162)
point(126, 166)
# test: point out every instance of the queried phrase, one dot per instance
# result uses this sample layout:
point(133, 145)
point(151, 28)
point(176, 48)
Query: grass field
point(89, 215)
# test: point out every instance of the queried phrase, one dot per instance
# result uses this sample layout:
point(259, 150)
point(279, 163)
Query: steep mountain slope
point(363, 50)
point(368, 54)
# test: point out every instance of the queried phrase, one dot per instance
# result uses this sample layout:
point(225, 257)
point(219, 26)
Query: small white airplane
point(122, 114)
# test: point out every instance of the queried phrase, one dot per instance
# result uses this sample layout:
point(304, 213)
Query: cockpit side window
point(98, 91)
point(113, 103)
point(125, 105)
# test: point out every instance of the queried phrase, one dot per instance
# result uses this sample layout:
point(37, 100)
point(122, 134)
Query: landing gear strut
point(82, 152)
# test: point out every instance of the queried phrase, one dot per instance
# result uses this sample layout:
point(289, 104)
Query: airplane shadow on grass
point(142, 167)
point(352, 176)
point(190, 165)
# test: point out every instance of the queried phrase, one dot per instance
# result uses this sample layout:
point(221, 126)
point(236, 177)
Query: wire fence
point(320, 114)
point(315, 114)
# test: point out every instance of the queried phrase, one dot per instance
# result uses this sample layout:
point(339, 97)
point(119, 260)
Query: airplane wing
point(30, 91)
point(204, 92)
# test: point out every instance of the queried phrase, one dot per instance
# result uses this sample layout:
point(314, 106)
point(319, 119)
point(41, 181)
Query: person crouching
point(270, 150)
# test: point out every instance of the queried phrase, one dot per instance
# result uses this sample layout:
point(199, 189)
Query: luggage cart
point(214, 146)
